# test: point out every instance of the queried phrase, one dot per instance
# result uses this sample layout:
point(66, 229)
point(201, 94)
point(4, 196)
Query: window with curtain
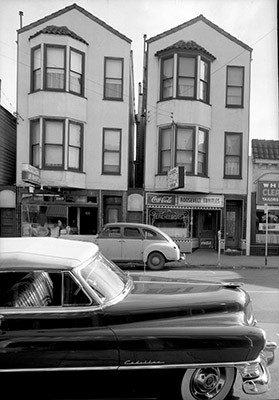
point(235, 86)
point(167, 78)
point(202, 151)
point(233, 155)
point(184, 151)
point(75, 145)
point(185, 146)
point(53, 153)
point(35, 143)
point(76, 84)
point(111, 151)
point(113, 85)
point(55, 67)
point(186, 80)
point(165, 136)
point(36, 68)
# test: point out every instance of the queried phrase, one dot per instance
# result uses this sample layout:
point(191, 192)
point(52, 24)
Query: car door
point(132, 244)
point(110, 242)
point(55, 336)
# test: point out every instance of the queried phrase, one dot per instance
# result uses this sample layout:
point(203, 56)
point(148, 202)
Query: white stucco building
point(196, 99)
point(76, 116)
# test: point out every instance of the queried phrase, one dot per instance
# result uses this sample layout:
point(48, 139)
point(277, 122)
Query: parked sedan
point(137, 243)
point(74, 325)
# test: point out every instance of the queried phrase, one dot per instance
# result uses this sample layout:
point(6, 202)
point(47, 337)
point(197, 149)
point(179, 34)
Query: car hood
point(155, 298)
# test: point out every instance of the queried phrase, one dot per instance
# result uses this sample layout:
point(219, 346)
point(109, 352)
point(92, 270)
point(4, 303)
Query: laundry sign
point(268, 192)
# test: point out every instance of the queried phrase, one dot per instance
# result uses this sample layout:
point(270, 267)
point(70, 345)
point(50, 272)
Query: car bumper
point(255, 375)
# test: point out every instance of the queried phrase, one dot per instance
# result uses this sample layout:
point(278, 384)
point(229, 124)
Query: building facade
point(8, 225)
point(264, 189)
point(196, 99)
point(75, 135)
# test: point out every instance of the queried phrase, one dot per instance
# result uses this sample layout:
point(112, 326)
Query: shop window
point(113, 80)
point(233, 155)
point(111, 151)
point(235, 86)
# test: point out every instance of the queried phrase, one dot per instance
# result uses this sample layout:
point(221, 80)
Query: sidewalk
point(210, 258)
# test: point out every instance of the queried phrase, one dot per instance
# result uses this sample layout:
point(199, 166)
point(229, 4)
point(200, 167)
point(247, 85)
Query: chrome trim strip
point(238, 364)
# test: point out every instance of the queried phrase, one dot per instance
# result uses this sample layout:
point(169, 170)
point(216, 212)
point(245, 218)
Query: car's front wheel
point(156, 261)
point(207, 383)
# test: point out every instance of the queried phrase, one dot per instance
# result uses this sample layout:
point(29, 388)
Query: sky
point(254, 22)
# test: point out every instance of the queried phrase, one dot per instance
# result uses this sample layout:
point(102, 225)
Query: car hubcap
point(155, 260)
point(206, 383)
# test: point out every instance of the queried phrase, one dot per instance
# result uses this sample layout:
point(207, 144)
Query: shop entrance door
point(232, 227)
point(88, 221)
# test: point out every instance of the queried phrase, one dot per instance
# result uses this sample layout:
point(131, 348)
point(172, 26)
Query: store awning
point(57, 211)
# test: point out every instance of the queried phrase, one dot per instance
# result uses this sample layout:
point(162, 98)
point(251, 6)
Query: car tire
point(207, 383)
point(156, 261)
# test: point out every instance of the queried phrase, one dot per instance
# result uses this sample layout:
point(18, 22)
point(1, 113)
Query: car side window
point(151, 235)
point(133, 233)
point(111, 232)
point(40, 289)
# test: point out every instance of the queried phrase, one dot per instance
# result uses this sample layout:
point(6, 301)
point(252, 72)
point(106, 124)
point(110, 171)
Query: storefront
point(265, 220)
point(191, 220)
point(57, 212)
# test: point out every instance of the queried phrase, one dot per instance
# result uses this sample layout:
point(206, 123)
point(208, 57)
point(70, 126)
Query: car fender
point(170, 252)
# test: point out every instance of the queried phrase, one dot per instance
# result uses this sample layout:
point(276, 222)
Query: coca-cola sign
point(160, 199)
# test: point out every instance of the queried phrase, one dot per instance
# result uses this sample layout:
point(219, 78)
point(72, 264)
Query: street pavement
point(212, 259)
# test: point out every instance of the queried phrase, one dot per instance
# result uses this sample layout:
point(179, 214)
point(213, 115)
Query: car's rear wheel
point(156, 261)
point(207, 383)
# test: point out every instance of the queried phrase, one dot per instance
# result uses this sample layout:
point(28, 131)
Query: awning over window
point(57, 211)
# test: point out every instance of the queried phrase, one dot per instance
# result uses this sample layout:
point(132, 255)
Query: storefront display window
point(41, 220)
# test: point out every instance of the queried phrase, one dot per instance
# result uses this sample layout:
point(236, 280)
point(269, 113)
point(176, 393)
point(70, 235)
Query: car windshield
point(105, 278)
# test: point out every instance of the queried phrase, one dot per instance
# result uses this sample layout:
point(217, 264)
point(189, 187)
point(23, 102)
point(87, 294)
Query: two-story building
point(8, 226)
point(196, 99)
point(75, 141)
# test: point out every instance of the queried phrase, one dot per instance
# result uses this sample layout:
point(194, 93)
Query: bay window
point(181, 145)
point(186, 77)
point(55, 60)
point(35, 143)
point(167, 78)
point(53, 144)
point(233, 155)
point(36, 68)
point(111, 151)
point(76, 84)
point(75, 146)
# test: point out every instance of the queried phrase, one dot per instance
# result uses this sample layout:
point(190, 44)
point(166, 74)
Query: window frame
point(205, 169)
point(171, 57)
point(32, 145)
point(104, 151)
point(105, 97)
point(80, 167)
point(206, 82)
point(195, 77)
point(229, 105)
point(160, 164)
point(233, 176)
point(54, 46)
point(193, 150)
point(44, 145)
point(81, 92)
point(33, 70)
